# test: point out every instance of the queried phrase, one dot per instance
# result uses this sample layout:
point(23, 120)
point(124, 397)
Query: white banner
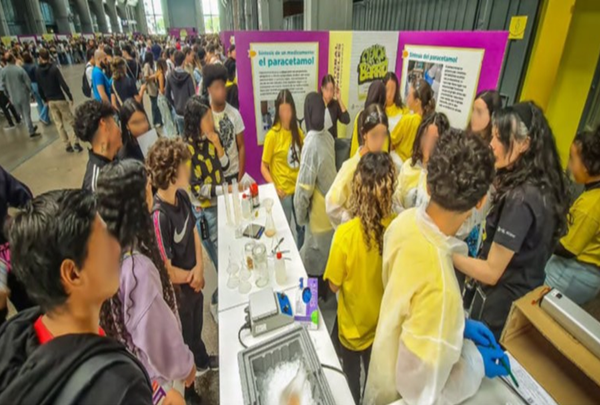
point(453, 74)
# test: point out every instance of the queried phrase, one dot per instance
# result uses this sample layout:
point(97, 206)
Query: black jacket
point(179, 88)
point(51, 83)
point(31, 373)
point(94, 165)
point(13, 193)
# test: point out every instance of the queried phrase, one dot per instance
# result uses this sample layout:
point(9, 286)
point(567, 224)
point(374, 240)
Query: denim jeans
point(42, 108)
point(156, 117)
point(288, 208)
point(212, 243)
point(578, 281)
point(179, 123)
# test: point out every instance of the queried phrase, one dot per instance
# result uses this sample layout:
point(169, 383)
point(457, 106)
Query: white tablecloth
point(232, 303)
point(230, 322)
point(229, 245)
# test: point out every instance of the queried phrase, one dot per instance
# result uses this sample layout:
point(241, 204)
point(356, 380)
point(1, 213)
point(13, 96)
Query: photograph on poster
point(452, 73)
point(277, 66)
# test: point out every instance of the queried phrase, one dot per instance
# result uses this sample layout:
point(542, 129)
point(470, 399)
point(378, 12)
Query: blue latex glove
point(495, 361)
point(480, 334)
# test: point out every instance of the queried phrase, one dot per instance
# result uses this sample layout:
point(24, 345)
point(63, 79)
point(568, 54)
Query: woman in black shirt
point(336, 110)
point(134, 123)
point(528, 214)
point(123, 87)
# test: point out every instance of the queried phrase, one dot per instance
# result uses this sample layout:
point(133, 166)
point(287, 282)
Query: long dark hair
point(285, 97)
point(375, 95)
point(373, 116)
point(397, 98)
point(327, 79)
point(436, 118)
point(121, 193)
point(129, 107)
point(539, 165)
point(196, 109)
point(149, 58)
point(424, 92)
point(492, 100)
point(161, 64)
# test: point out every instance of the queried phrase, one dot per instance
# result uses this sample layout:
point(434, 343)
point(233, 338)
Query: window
point(154, 16)
point(210, 9)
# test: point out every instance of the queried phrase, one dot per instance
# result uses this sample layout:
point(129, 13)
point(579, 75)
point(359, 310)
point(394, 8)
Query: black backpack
point(85, 85)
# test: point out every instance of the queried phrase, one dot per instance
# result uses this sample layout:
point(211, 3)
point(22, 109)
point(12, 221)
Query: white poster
point(373, 55)
point(27, 39)
point(452, 73)
point(277, 66)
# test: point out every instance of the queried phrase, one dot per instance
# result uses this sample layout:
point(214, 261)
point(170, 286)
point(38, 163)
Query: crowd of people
point(418, 213)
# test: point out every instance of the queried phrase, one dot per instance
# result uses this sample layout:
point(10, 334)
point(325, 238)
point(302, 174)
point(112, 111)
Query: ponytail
point(424, 93)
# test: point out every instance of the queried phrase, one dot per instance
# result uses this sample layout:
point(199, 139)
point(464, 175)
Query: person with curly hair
point(179, 243)
point(528, 215)
point(574, 269)
point(412, 181)
point(420, 353)
point(143, 313)
point(354, 264)
point(95, 124)
point(374, 132)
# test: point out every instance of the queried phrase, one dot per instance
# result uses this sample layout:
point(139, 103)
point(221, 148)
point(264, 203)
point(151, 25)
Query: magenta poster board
point(243, 41)
point(181, 32)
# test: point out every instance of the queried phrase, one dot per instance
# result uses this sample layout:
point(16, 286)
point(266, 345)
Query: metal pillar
point(166, 15)
point(61, 16)
point(82, 9)
point(115, 26)
point(34, 20)
point(4, 30)
point(270, 15)
point(97, 8)
point(200, 18)
point(327, 15)
point(140, 18)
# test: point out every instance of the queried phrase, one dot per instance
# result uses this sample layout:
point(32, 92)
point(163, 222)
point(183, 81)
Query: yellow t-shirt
point(583, 237)
point(412, 185)
point(277, 153)
point(357, 270)
point(338, 197)
point(354, 144)
point(394, 115)
point(404, 134)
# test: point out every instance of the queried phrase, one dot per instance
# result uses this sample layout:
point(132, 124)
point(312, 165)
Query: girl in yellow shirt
point(375, 135)
point(394, 109)
point(412, 181)
point(281, 156)
point(355, 264)
point(421, 103)
point(375, 95)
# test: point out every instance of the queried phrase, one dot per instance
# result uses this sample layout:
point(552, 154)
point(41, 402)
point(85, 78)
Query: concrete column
point(327, 15)
point(140, 17)
point(166, 15)
point(199, 17)
point(61, 16)
point(224, 18)
point(85, 17)
point(112, 14)
point(4, 31)
point(34, 18)
point(97, 8)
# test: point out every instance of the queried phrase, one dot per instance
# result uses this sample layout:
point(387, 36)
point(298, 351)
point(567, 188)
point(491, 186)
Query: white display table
point(232, 303)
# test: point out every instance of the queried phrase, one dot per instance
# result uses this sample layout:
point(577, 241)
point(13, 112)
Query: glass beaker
point(234, 280)
point(249, 256)
point(270, 229)
point(261, 267)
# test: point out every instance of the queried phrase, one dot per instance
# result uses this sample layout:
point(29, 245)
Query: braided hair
point(121, 193)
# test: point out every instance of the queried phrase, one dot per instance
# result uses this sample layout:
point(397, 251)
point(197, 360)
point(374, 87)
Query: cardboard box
point(568, 371)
